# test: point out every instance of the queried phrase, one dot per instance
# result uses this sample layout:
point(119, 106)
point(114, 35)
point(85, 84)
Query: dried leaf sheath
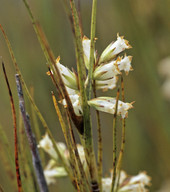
point(19, 183)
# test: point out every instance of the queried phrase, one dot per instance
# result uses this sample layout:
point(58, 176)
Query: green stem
point(114, 143)
point(89, 151)
point(92, 49)
point(122, 148)
point(100, 147)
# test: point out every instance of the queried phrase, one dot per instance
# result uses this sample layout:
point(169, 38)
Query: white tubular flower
point(68, 76)
point(86, 48)
point(106, 71)
point(127, 183)
point(47, 145)
point(106, 84)
point(75, 100)
point(114, 49)
point(135, 183)
point(106, 184)
point(108, 104)
point(52, 171)
point(125, 64)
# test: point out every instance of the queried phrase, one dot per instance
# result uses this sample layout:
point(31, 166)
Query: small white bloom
point(68, 76)
point(106, 84)
point(108, 104)
point(106, 184)
point(164, 67)
point(75, 100)
point(127, 183)
point(135, 183)
point(125, 64)
point(140, 178)
point(52, 171)
point(114, 49)
point(81, 153)
point(86, 48)
point(47, 145)
point(106, 71)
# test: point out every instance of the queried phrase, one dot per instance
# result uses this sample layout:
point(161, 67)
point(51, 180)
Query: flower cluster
point(54, 169)
point(105, 75)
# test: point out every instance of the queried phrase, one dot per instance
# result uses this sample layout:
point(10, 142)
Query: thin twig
point(100, 147)
point(92, 49)
point(31, 140)
point(122, 148)
point(114, 143)
point(17, 166)
point(80, 18)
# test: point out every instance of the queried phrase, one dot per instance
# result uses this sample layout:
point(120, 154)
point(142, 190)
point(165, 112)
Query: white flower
point(47, 145)
point(52, 171)
point(127, 183)
point(81, 153)
point(114, 49)
point(125, 64)
point(106, 84)
point(75, 100)
point(86, 42)
point(164, 67)
point(108, 104)
point(68, 76)
point(106, 71)
point(106, 184)
point(135, 183)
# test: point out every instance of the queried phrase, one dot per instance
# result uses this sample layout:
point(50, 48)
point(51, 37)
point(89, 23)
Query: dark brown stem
point(19, 183)
point(31, 139)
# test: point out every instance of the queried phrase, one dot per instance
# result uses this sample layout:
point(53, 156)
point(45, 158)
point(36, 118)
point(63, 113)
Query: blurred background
point(146, 24)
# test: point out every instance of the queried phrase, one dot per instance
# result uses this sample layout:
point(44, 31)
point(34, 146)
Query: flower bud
point(106, 84)
point(68, 76)
point(86, 48)
point(108, 105)
point(47, 145)
point(106, 71)
point(125, 64)
point(52, 171)
point(75, 100)
point(114, 49)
